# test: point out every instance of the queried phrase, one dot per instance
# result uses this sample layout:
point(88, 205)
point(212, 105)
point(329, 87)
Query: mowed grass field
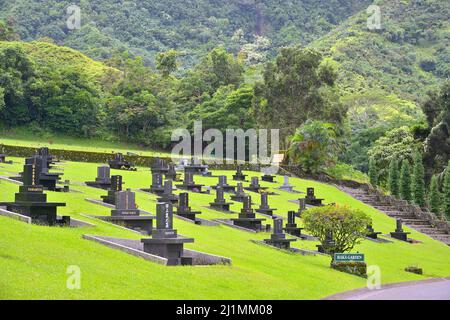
point(27, 139)
point(34, 259)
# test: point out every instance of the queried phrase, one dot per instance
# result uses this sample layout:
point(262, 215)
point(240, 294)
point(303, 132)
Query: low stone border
point(15, 216)
point(303, 252)
point(10, 180)
point(135, 247)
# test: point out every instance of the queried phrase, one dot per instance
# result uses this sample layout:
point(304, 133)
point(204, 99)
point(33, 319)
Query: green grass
point(25, 138)
point(34, 259)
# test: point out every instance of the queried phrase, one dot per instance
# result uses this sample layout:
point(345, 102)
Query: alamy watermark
point(73, 281)
point(374, 20)
point(373, 277)
point(73, 21)
point(211, 144)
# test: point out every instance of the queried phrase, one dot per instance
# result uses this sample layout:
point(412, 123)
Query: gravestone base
point(279, 243)
point(249, 223)
point(188, 214)
point(287, 188)
point(141, 224)
point(157, 190)
point(169, 248)
point(240, 177)
point(238, 198)
point(110, 198)
point(99, 185)
point(197, 188)
point(226, 188)
point(256, 189)
point(294, 231)
point(268, 212)
point(402, 236)
point(268, 178)
point(173, 198)
point(314, 202)
point(43, 213)
point(373, 235)
point(358, 268)
point(221, 206)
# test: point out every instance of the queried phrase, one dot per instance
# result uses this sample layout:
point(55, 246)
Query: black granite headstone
point(278, 238)
point(116, 186)
point(311, 198)
point(219, 202)
point(264, 207)
point(239, 176)
point(165, 242)
point(31, 200)
point(184, 210)
point(168, 195)
point(399, 233)
point(247, 218)
point(291, 227)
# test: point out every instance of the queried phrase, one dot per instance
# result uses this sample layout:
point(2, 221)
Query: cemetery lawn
point(23, 138)
point(34, 259)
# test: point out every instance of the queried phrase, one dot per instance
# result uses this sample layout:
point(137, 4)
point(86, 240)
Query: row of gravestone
point(32, 202)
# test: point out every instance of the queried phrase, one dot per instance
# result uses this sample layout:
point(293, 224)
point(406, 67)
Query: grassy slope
point(50, 55)
point(34, 259)
point(20, 137)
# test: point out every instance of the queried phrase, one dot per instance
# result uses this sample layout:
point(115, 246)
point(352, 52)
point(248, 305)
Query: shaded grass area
point(34, 259)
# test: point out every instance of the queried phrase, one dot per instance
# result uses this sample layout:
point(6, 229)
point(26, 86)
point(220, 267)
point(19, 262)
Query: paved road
point(435, 289)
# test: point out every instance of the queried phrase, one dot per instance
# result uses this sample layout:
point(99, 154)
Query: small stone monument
point(167, 195)
point(255, 186)
point(278, 238)
point(371, 232)
point(291, 227)
point(46, 179)
point(120, 163)
point(301, 207)
point(127, 214)
point(103, 179)
point(286, 186)
point(239, 176)
point(224, 185)
point(116, 186)
point(165, 242)
point(328, 244)
point(219, 202)
point(196, 167)
point(399, 234)
point(264, 207)
point(44, 152)
point(31, 201)
point(268, 177)
point(189, 184)
point(247, 218)
point(239, 194)
point(311, 198)
point(157, 183)
point(172, 174)
point(159, 166)
point(184, 210)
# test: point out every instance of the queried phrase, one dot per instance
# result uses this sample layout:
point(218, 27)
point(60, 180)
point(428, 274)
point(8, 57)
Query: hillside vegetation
point(193, 27)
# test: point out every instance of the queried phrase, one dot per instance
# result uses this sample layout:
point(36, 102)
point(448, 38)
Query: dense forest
point(344, 96)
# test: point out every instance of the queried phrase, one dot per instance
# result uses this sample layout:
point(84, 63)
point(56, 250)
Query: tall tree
point(446, 189)
point(405, 181)
point(373, 172)
point(393, 182)
point(434, 200)
point(418, 183)
point(166, 62)
point(297, 87)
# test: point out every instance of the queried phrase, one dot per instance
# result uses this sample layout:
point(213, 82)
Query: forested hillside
point(192, 27)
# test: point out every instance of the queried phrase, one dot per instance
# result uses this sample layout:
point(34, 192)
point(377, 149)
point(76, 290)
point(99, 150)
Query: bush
point(346, 225)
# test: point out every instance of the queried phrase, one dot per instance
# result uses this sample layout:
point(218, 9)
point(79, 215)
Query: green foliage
point(343, 171)
point(405, 181)
point(7, 32)
point(393, 182)
point(418, 183)
point(395, 144)
point(194, 27)
point(166, 62)
point(437, 144)
point(435, 197)
point(446, 191)
point(347, 226)
point(313, 146)
point(373, 172)
point(296, 88)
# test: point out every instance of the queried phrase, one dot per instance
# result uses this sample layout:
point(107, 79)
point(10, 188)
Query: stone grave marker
point(219, 202)
point(278, 238)
point(264, 208)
